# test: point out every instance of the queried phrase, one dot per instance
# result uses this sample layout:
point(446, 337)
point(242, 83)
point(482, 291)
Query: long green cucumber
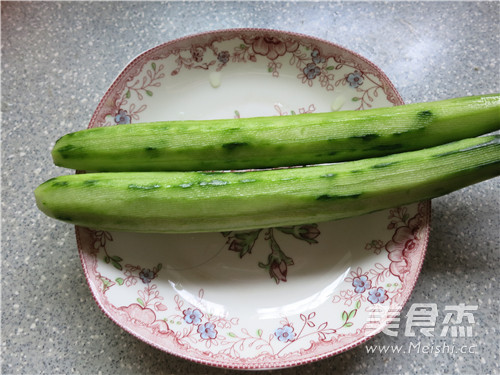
point(202, 201)
point(264, 142)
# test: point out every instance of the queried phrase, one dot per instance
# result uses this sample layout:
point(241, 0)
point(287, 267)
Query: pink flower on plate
point(278, 270)
point(197, 53)
point(271, 47)
point(146, 317)
point(375, 245)
point(139, 313)
point(404, 241)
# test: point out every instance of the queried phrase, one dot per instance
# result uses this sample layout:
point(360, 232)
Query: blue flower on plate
point(207, 331)
point(223, 57)
point(311, 71)
point(316, 57)
point(355, 79)
point(192, 316)
point(122, 117)
point(361, 284)
point(146, 275)
point(377, 295)
point(285, 333)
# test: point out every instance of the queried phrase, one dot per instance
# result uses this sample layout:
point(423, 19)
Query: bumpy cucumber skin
point(177, 202)
point(264, 142)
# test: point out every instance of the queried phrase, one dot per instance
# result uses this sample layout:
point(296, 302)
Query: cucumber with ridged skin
point(178, 202)
point(264, 142)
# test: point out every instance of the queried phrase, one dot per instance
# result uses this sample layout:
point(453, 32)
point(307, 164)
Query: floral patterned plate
point(268, 298)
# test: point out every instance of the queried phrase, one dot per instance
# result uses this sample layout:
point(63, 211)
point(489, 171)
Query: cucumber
point(264, 142)
point(190, 201)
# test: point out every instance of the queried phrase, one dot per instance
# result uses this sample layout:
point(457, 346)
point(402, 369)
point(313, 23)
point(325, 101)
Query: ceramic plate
point(268, 298)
